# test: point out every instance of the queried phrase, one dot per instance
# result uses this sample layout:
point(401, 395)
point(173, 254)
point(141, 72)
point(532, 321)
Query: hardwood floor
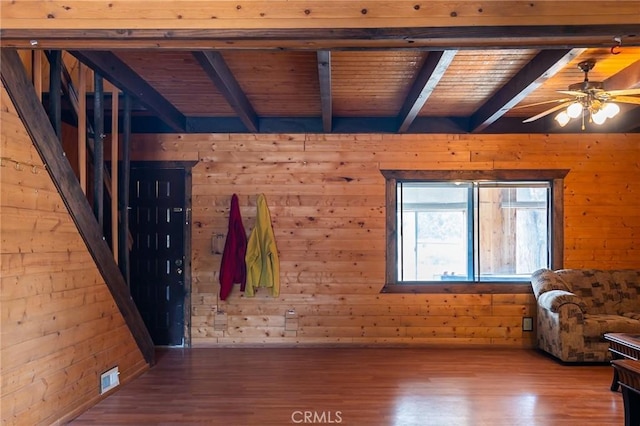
point(362, 386)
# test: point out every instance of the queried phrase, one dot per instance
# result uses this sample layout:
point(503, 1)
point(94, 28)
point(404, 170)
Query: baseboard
point(75, 412)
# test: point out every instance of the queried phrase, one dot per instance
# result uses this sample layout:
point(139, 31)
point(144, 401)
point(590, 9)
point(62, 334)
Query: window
point(446, 228)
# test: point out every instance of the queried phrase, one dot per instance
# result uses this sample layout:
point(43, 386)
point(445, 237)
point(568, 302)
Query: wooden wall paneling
point(326, 197)
point(16, 379)
point(57, 313)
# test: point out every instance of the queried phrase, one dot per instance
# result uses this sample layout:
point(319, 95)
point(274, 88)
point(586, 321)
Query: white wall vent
point(109, 380)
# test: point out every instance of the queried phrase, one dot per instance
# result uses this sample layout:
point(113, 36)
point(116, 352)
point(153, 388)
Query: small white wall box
point(109, 380)
point(220, 321)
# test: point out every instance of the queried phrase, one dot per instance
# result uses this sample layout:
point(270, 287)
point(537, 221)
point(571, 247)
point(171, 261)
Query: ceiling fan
point(588, 100)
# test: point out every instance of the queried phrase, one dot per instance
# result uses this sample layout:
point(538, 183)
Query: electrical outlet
point(527, 324)
point(291, 320)
point(220, 321)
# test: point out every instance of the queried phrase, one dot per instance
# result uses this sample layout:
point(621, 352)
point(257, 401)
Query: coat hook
point(615, 49)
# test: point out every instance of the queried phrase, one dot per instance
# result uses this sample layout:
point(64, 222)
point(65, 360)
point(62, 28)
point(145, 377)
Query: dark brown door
point(157, 221)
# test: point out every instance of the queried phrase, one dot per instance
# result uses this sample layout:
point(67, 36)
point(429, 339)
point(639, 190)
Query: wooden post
point(36, 71)
point(98, 149)
point(82, 126)
point(125, 169)
point(114, 171)
point(55, 91)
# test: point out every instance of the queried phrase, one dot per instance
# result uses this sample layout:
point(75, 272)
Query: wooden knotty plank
point(34, 117)
point(286, 14)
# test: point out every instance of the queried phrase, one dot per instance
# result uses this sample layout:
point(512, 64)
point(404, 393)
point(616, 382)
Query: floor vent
point(109, 380)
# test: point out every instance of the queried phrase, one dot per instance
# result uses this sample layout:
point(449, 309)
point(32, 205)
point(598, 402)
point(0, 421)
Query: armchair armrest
point(544, 280)
point(552, 300)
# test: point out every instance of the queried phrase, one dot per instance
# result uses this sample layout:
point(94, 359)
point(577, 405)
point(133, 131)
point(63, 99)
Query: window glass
point(471, 231)
point(513, 234)
point(434, 233)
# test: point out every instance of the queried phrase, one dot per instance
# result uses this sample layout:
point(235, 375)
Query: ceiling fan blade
point(542, 103)
point(572, 93)
point(547, 112)
point(627, 99)
point(624, 92)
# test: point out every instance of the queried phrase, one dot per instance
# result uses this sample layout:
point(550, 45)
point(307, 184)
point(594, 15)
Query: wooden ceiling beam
point(218, 71)
point(433, 68)
point(118, 73)
point(324, 78)
point(382, 125)
point(627, 122)
point(628, 78)
point(542, 67)
point(191, 14)
point(416, 37)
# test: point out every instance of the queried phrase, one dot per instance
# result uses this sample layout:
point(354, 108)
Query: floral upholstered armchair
point(576, 307)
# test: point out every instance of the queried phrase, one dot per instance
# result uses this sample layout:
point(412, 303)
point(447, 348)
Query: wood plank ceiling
point(347, 83)
point(452, 91)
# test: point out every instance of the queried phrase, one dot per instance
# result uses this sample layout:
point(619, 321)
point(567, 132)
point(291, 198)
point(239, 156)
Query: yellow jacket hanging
point(263, 265)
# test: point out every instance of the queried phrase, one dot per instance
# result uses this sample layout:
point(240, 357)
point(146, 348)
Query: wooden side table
point(622, 346)
point(629, 378)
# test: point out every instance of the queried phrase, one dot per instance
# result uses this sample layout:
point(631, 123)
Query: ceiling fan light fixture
point(611, 109)
point(599, 116)
point(589, 101)
point(562, 118)
point(574, 110)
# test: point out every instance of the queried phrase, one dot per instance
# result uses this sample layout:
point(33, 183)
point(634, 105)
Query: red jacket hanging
point(233, 269)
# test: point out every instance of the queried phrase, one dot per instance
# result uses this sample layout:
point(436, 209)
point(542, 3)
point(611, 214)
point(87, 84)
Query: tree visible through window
point(478, 227)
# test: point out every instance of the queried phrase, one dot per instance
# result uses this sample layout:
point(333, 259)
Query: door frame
point(187, 166)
